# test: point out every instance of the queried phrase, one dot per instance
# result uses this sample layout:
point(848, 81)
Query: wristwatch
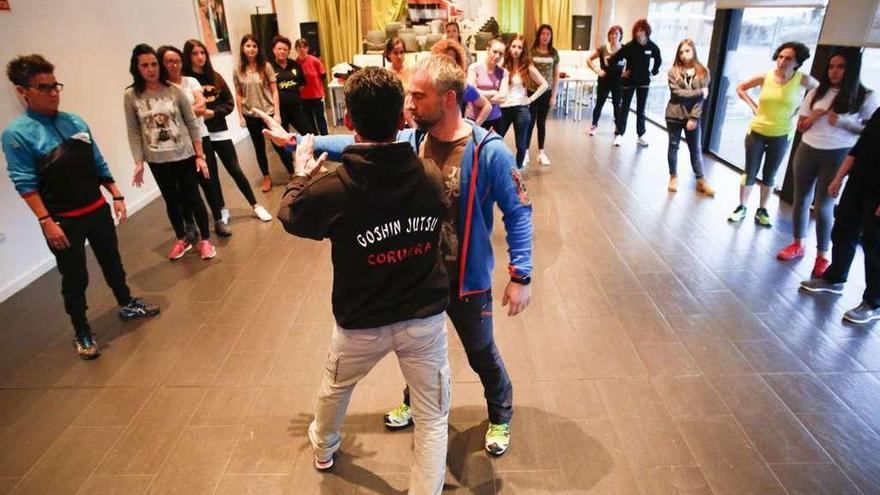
point(521, 280)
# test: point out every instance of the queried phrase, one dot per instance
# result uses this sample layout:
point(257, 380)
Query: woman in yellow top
point(771, 128)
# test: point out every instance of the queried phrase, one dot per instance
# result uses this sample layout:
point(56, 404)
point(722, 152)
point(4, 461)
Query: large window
point(671, 22)
point(749, 52)
point(870, 74)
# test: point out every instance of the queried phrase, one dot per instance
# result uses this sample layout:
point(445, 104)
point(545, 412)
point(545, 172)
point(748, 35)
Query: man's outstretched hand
point(274, 131)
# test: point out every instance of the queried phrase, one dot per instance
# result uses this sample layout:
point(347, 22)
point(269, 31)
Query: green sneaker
point(399, 418)
point(498, 438)
point(762, 218)
point(738, 214)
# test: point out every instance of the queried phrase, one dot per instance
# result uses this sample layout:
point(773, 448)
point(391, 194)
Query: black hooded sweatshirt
point(382, 210)
point(218, 98)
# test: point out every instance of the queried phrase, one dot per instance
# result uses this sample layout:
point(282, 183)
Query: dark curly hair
point(641, 25)
point(21, 70)
point(374, 99)
point(801, 52)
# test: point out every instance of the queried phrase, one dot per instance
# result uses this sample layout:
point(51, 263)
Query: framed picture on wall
point(4, 5)
point(212, 24)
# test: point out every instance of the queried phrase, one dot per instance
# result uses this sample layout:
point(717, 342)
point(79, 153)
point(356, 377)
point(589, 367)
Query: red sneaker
point(820, 266)
point(792, 251)
point(206, 249)
point(179, 248)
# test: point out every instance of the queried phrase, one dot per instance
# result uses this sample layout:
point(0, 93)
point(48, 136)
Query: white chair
point(421, 30)
point(368, 60)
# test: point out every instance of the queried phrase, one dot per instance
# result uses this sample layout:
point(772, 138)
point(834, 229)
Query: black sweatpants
point(641, 94)
point(211, 184)
point(603, 89)
point(294, 115)
point(314, 110)
point(96, 227)
point(179, 187)
point(854, 219)
point(255, 126)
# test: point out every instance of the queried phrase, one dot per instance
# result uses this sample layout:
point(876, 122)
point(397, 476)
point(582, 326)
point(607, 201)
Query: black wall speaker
point(309, 31)
point(581, 26)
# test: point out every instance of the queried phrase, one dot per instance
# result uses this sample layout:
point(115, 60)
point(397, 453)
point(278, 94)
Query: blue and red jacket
point(488, 176)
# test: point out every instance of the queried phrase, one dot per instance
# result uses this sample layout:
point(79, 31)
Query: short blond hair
point(444, 73)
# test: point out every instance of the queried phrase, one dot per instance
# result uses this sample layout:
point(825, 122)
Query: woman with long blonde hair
point(515, 110)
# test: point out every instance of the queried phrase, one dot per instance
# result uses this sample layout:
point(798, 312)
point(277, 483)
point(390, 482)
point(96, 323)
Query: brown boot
point(673, 184)
point(703, 187)
point(267, 184)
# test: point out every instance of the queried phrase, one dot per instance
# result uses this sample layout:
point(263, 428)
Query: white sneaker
point(224, 215)
point(543, 160)
point(618, 140)
point(525, 162)
point(262, 214)
point(642, 141)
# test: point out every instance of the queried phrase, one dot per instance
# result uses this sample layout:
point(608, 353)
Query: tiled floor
point(665, 352)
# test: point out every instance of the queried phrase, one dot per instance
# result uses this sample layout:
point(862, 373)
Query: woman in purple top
point(491, 79)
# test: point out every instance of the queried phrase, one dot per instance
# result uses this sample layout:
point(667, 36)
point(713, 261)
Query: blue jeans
point(693, 143)
point(472, 318)
point(521, 118)
point(772, 149)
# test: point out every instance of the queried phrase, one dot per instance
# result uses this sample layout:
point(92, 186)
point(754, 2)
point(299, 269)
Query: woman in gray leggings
point(831, 118)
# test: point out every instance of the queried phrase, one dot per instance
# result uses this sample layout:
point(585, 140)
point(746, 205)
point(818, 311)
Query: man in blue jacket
point(479, 171)
point(58, 170)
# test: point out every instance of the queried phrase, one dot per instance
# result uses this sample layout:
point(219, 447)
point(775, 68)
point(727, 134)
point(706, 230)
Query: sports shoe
point(593, 130)
point(206, 249)
point(224, 215)
point(86, 346)
point(863, 313)
point(267, 184)
point(399, 418)
point(641, 141)
point(673, 184)
point(137, 308)
point(222, 229)
point(262, 214)
point(323, 464)
point(543, 159)
point(822, 285)
point(498, 438)
point(703, 187)
point(180, 247)
point(738, 214)
point(618, 140)
point(525, 162)
point(820, 266)
point(762, 218)
point(792, 251)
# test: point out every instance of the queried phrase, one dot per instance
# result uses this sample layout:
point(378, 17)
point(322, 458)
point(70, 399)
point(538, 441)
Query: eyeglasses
point(47, 88)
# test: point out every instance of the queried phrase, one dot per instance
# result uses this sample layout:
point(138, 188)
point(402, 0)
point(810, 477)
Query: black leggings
point(210, 185)
point(641, 94)
point(539, 110)
point(294, 115)
point(255, 126)
point(314, 110)
point(603, 89)
point(226, 150)
point(180, 187)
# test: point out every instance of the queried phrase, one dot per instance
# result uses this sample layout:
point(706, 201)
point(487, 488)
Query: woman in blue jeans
point(688, 88)
point(515, 109)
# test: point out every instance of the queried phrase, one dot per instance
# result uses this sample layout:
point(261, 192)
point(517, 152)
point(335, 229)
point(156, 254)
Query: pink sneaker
point(790, 252)
point(820, 266)
point(593, 129)
point(179, 248)
point(206, 249)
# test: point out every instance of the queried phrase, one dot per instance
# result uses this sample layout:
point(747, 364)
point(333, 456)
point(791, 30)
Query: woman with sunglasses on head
point(219, 103)
point(312, 94)
point(516, 108)
point(479, 105)
point(172, 59)
point(546, 59)
point(831, 118)
point(609, 76)
point(771, 128)
point(688, 89)
point(491, 79)
point(163, 131)
point(256, 88)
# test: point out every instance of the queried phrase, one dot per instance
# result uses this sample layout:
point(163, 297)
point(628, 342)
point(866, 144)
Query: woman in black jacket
point(636, 78)
point(218, 98)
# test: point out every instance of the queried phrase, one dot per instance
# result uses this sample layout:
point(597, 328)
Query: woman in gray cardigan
point(688, 88)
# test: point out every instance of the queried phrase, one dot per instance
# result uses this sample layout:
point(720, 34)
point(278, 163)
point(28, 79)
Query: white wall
point(90, 43)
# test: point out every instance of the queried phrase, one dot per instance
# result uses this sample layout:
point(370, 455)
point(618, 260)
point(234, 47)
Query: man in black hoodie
point(382, 210)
